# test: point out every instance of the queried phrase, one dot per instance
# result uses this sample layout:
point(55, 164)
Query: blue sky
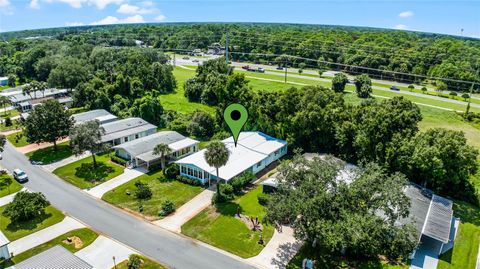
point(445, 16)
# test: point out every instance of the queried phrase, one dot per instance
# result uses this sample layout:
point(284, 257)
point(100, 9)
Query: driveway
point(164, 246)
point(128, 174)
point(187, 211)
point(100, 253)
point(45, 235)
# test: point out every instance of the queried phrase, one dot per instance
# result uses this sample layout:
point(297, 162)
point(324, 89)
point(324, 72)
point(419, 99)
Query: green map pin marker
point(235, 116)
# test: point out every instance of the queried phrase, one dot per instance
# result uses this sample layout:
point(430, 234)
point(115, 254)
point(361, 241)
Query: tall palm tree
point(163, 150)
point(42, 86)
point(27, 89)
point(4, 101)
point(216, 155)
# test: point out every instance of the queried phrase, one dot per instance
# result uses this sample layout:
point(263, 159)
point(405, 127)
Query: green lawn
point(147, 264)
point(49, 155)
point(9, 113)
point(14, 126)
point(86, 236)
point(465, 250)
point(14, 231)
point(82, 174)
point(218, 226)
point(8, 185)
point(175, 191)
point(18, 139)
point(177, 101)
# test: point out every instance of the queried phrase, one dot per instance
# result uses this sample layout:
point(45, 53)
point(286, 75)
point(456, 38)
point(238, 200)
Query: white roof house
point(141, 150)
point(101, 115)
point(53, 258)
point(124, 130)
point(254, 150)
point(4, 253)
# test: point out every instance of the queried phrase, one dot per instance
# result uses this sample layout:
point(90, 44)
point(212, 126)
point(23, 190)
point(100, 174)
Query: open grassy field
point(16, 230)
point(175, 191)
point(82, 174)
point(86, 236)
point(49, 155)
point(8, 185)
point(218, 226)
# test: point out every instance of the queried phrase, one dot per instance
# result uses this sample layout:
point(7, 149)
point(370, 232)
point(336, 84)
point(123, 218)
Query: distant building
point(216, 49)
point(26, 102)
point(55, 257)
point(3, 81)
point(140, 151)
point(4, 253)
point(254, 152)
point(101, 115)
point(125, 130)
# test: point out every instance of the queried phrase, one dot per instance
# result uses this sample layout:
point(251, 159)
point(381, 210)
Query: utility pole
point(174, 59)
point(226, 46)
point(286, 70)
point(471, 93)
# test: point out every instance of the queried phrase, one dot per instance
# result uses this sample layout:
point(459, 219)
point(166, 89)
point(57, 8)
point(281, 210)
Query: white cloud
point(4, 3)
point(115, 20)
point(406, 14)
point(160, 18)
point(400, 27)
point(73, 3)
point(34, 4)
point(148, 4)
point(74, 23)
point(131, 9)
point(100, 4)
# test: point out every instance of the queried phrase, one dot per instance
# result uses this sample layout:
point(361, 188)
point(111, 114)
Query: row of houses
point(26, 102)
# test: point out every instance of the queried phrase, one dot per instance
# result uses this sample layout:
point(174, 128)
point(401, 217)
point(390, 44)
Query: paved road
point(166, 247)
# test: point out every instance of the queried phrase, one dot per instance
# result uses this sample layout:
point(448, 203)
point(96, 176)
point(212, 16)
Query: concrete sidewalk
point(51, 167)
point(9, 198)
point(101, 252)
point(45, 235)
point(187, 211)
point(279, 251)
point(128, 174)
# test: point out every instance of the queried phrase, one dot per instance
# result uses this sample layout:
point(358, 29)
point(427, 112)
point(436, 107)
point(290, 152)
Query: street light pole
point(114, 263)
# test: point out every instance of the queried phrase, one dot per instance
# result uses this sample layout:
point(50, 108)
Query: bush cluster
point(172, 171)
point(119, 160)
point(224, 194)
point(143, 190)
point(167, 208)
point(240, 181)
point(263, 199)
point(189, 181)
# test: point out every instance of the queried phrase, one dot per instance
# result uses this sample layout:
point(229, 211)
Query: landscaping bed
point(218, 225)
point(49, 155)
point(79, 239)
point(14, 231)
point(146, 264)
point(8, 185)
point(82, 174)
point(162, 190)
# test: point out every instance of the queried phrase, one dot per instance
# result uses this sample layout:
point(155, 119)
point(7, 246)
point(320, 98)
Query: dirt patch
point(75, 241)
point(253, 224)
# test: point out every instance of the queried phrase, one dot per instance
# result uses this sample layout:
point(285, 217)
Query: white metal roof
point(125, 127)
point(98, 114)
point(3, 240)
point(56, 257)
point(252, 147)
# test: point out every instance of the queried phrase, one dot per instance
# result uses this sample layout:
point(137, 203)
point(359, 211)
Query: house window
point(183, 169)
point(125, 139)
point(206, 175)
point(259, 164)
point(195, 173)
point(136, 136)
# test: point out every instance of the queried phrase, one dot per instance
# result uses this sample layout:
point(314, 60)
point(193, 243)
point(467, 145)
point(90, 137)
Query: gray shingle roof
point(56, 257)
point(93, 115)
point(125, 127)
point(3, 239)
point(147, 143)
point(20, 97)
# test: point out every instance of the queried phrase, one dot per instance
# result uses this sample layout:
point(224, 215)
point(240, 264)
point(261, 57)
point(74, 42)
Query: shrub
point(189, 181)
point(167, 208)
point(263, 199)
point(465, 96)
point(202, 125)
point(155, 167)
point(118, 160)
point(453, 94)
point(225, 194)
point(26, 206)
point(172, 171)
point(134, 261)
point(239, 181)
point(411, 87)
point(8, 121)
point(143, 190)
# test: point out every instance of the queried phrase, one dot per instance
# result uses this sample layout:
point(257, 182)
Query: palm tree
point(42, 86)
point(163, 150)
point(27, 89)
point(4, 101)
point(216, 155)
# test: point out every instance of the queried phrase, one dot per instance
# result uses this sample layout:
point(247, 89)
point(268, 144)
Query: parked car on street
point(394, 88)
point(20, 176)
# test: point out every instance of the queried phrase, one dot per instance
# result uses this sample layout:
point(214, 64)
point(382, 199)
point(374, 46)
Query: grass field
point(49, 155)
point(146, 264)
point(17, 139)
point(87, 237)
point(9, 113)
point(14, 126)
point(218, 226)
point(175, 191)
point(14, 231)
point(82, 174)
point(8, 185)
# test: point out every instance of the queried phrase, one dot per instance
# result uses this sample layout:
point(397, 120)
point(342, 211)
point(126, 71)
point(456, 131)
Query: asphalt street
point(168, 248)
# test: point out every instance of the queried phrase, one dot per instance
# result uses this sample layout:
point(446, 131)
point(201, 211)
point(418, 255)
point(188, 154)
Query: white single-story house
point(140, 151)
point(254, 152)
point(54, 257)
point(101, 115)
point(19, 97)
point(124, 130)
point(4, 253)
point(431, 214)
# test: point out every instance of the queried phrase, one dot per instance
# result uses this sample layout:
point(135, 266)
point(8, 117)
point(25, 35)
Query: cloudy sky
point(444, 16)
